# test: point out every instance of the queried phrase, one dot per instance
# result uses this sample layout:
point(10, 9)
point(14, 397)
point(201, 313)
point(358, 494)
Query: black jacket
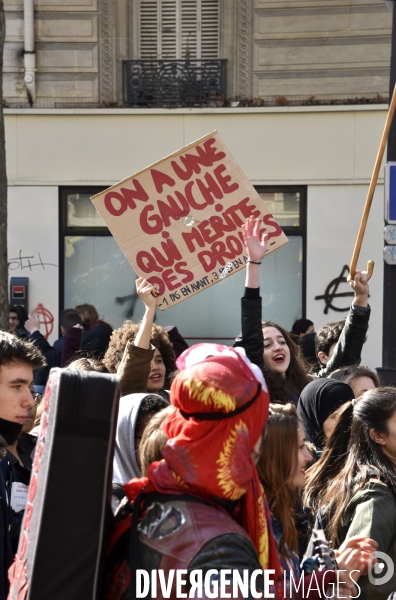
point(251, 338)
point(95, 339)
point(346, 352)
point(5, 540)
point(52, 354)
point(9, 433)
point(348, 349)
point(19, 474)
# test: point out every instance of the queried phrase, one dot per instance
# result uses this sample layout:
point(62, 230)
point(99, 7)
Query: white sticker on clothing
point(19, 496)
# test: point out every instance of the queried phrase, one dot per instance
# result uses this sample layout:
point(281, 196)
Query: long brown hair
point(365, 460)
point(296, 375)
point(88, 313)
point(276, 465)
point(334, 456)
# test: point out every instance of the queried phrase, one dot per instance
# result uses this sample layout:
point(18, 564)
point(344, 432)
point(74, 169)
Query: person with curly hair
point(141, 353)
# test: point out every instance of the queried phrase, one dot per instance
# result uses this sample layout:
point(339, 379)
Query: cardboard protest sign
point(178, 221)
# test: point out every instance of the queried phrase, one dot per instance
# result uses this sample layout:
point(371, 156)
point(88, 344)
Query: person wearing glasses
point(16, 320)
point(18, 404)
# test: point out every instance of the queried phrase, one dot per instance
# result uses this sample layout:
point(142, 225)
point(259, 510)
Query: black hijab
point(318, 400)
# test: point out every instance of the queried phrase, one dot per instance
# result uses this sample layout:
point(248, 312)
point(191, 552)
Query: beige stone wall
point(291, 48)
point(67, 52)
point(320, 48)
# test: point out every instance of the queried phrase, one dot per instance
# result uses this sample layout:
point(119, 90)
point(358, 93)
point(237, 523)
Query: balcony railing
point(173, 82)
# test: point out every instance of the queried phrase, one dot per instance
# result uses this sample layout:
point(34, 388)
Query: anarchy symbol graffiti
point(332, 292)
point(44, 317)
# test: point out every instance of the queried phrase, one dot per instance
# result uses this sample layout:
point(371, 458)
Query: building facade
point(296, 49)
point(310, 163)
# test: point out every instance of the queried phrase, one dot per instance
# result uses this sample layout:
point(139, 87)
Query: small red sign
point(18, 291)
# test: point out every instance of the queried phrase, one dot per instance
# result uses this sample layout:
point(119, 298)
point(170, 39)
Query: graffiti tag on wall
point(23, 261)
point(45, 318)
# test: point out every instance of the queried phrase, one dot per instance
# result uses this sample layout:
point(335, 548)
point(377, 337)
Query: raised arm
point(256, 247)
point(32, 325)
point(147, 294)
point(348, 349)
point(251, 338)
point(134, 369)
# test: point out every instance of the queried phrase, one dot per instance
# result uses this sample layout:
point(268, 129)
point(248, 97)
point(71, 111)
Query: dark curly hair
point(120, 337)
point(328, 335)
point(296, 375)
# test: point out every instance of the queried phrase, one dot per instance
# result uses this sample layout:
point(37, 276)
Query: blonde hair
point(153, 439)
point(39, 412)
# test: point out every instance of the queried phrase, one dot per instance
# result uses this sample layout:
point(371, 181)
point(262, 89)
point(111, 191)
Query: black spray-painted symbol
point(331, 292)
point(131, 303)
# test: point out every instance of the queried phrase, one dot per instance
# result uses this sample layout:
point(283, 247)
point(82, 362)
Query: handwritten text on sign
point(179, 221)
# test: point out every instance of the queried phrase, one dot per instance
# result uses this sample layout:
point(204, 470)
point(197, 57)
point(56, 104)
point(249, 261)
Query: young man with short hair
point(13, 319)
point(18, 359)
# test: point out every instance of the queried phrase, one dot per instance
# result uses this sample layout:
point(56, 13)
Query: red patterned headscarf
point(222, 412)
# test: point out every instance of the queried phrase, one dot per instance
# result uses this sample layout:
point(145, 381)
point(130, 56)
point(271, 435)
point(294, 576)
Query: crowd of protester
point(225, 458)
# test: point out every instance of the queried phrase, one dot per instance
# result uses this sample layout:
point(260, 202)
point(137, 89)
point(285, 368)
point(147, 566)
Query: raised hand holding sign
point(179, 221)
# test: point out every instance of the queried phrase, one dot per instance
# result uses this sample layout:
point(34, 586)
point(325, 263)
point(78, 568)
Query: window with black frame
point(283, 271)
point(94, 270)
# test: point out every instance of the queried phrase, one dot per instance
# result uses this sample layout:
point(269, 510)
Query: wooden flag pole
point(370, 193)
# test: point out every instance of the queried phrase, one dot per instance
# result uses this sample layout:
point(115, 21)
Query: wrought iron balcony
point(173, 82)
